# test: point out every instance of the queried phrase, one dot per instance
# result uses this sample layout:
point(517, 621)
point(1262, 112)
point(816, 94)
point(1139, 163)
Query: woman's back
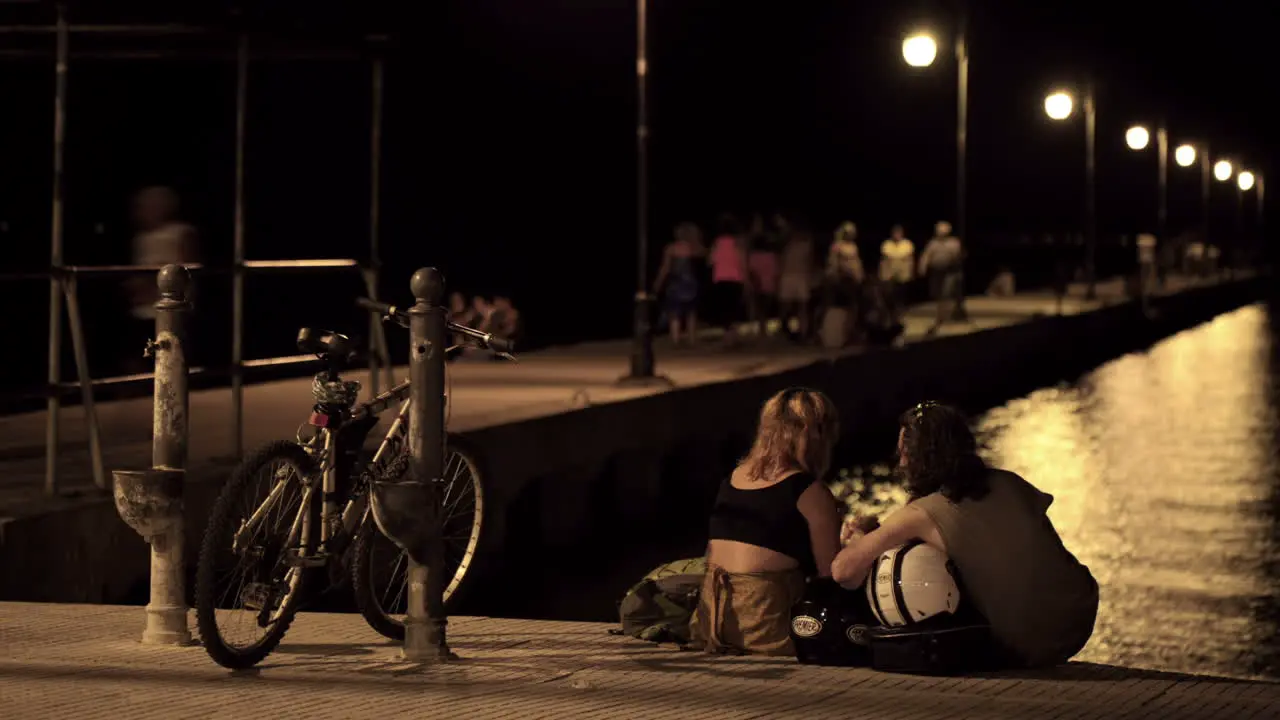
point(764, 517)
point(1040, 600)
point(727, 262)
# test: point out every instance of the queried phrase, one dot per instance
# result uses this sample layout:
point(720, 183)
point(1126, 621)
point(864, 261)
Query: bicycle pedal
point(297, 559)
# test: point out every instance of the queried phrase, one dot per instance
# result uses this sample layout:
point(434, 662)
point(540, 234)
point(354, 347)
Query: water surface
point(1165, 469)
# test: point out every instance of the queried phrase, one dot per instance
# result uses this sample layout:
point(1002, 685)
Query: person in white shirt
point(898, 263)
point(845, 275)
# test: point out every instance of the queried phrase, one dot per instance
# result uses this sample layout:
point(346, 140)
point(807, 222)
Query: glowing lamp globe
point(919, 50)
point(1058, 106)
point(1222, 170)
point(1184, 155)
point(1245, 180)
point(1137, 138)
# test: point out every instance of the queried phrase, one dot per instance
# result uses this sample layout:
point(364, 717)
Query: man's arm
point(852, 564)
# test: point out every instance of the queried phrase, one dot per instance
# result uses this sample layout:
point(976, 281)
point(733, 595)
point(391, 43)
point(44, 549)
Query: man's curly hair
point(941, 453)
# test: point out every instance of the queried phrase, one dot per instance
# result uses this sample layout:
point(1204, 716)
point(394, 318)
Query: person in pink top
point(729, 277)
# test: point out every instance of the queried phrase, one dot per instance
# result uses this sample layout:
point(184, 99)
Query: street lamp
point(1137, 138)
point(1222, 170)
point(1247, 181)
point(642, 361)
point(1185, 155)
point(920, 50)
point(1058, 106)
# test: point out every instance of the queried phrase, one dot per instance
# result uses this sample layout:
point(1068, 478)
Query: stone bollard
point(409, 512)
point(150, 502)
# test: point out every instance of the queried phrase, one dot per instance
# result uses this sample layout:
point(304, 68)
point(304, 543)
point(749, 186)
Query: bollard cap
point(427, 285)
point(173, 281)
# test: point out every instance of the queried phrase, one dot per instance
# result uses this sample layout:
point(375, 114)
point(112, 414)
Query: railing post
point(169, 408)
point(425, 625)
point(74, 324)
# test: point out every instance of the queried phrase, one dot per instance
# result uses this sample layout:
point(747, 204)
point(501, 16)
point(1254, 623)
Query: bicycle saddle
point(327, 344)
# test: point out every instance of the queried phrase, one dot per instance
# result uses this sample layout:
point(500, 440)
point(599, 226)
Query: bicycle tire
point(220, 518)
point(369, 538)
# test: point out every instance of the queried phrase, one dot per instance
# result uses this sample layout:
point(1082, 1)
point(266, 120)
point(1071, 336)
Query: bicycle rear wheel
point(252, 584)
point(378, 570)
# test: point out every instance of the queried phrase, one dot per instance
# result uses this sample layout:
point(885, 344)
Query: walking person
point(678, 283)
point(762, 262)
point(844, 281)
point(161, 238)
point(795, 283)
point(729, 278)
point(897, 264)
point(942, 263)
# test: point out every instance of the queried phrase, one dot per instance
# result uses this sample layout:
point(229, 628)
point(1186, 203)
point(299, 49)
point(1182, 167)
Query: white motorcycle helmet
point(910, 584)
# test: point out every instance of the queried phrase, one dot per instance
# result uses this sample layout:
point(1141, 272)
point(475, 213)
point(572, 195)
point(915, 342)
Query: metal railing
point(63, 279)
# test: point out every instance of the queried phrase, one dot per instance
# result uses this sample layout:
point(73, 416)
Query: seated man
point(1040, 601)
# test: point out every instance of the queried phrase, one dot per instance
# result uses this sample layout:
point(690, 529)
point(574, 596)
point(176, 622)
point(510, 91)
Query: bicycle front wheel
point(248, 585)
point(379, 568)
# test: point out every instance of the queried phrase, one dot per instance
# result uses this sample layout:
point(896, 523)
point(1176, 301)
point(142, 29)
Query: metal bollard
point(425, 623)
point(150, 502)
point(169, 419)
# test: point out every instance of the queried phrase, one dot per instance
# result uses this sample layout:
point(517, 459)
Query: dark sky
point(510, 130)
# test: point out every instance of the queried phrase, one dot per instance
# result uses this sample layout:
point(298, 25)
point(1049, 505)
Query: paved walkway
point(484, 394)
point(85, 662)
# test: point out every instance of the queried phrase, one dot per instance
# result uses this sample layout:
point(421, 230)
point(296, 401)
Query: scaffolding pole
point(237, 277)
point(53, 404)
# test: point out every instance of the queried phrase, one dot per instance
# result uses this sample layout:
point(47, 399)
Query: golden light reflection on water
point(1163, 467)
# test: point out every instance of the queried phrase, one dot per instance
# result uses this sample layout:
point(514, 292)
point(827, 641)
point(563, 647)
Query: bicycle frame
point(337, 449)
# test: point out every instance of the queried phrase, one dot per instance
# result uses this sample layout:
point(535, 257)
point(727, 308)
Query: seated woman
point(1040, 601)
point(774, 522)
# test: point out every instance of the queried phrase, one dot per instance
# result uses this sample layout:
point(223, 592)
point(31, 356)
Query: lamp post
point(1059, 106)
point(1139, 138)
point(1223, 171)
point(642, 360)
point(1260, 198)
point(1245, 182)
point(920, 50)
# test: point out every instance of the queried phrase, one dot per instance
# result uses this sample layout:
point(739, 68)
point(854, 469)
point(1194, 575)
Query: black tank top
point(768, 518)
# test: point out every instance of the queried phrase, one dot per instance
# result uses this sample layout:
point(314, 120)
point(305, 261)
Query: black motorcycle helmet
point(829, 625)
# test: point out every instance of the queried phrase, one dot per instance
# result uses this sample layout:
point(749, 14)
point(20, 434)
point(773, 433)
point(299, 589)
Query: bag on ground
point(659, 607)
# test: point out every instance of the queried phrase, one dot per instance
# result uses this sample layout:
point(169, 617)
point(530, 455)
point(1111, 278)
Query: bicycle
point(318, 486)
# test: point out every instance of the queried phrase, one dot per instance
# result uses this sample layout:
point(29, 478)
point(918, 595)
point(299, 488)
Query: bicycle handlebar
point(486, 340)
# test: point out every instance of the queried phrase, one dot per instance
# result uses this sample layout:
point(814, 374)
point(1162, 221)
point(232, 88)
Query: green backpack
point(659, 607)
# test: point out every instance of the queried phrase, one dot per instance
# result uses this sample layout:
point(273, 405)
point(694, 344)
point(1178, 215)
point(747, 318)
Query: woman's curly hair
point(941, 454)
